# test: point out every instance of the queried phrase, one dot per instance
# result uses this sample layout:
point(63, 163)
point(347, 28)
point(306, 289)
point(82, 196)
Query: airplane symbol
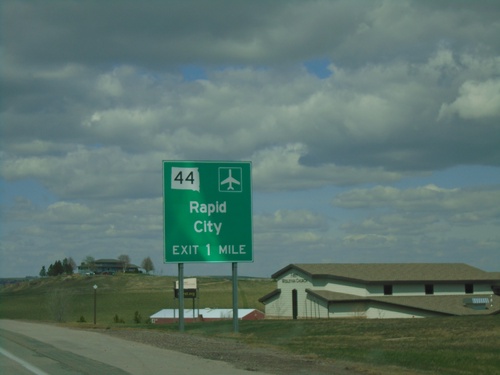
point(230, 180)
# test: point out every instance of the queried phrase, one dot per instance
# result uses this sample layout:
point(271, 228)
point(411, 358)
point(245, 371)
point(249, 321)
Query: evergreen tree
point(43, 272)
point(55, 269)
point(68, 266)
point(58, 268)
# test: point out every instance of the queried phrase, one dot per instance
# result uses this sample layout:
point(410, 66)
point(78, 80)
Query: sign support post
point(181, 297)
point(235, 298)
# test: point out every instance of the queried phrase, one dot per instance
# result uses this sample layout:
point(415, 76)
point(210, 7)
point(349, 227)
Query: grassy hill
point(448, 345)
point(68, 298)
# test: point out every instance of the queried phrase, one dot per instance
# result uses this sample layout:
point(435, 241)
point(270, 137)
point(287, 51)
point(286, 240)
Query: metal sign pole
point(181, 297)
point(235, 297)
point(173, 306)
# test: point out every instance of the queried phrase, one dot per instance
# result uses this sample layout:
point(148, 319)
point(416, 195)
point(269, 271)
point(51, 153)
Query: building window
point(387, 290)
point(429, 289)
point(469, 288)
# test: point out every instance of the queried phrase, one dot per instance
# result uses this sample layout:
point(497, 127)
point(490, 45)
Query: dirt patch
point(239, 354)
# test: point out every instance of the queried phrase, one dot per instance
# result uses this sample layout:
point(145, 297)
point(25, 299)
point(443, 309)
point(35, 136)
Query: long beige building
point(405, 290)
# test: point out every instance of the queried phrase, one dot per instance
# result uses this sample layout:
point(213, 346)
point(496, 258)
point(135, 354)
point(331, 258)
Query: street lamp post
point(95, 303)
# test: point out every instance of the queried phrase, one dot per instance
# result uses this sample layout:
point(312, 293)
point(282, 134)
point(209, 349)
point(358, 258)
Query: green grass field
point(452, 345)
point(69, 298)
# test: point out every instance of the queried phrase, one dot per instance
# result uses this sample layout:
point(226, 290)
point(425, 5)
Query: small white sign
point(188, 284)
point(185, 179)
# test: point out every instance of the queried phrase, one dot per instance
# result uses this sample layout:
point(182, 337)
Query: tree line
point(64, 267)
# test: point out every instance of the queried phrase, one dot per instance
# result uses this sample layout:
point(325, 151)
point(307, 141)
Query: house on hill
point(382, 291)
point(108, 266)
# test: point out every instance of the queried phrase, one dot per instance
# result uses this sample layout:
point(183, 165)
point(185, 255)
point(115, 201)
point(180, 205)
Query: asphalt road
point(33, 348)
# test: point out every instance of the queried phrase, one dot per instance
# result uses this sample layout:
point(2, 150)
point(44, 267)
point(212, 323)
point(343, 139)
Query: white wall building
point(382, 291)
point(204, 315)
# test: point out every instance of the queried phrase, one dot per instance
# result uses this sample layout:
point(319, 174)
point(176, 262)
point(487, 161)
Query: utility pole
point(95, 303)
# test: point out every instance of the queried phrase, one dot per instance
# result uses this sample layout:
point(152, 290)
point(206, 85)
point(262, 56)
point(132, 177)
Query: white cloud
point(368, 240)
point(280, 168)
point(287, 220)
point(68, 212)
point(92, 173)
point(421, 220)
point(95, 98)
point(105, 229)
point(423, 199)
point(477, 100)
point(379, 117)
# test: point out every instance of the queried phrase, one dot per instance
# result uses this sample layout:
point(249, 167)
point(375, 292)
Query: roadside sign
point(207, 211)
point(190, 283)
point(190, 288)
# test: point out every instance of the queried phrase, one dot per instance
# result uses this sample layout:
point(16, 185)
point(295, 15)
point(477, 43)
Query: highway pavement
point(35, 348)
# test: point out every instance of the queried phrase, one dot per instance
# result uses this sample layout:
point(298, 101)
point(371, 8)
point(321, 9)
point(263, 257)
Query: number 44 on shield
point(185, 179)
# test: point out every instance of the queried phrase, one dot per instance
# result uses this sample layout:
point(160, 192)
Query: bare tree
point(147, 264)
point(125, 259)
point(89, 263)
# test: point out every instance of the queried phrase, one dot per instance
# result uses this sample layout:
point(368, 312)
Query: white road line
point(22, 362)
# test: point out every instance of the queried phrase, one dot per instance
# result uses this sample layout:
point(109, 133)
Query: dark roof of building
point(394, 272)
point(443, 304)
point(116, 262)
point(269, 295)
point(108, 261)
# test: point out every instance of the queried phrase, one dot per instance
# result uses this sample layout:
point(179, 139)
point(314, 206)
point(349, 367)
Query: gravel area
point(241, 355)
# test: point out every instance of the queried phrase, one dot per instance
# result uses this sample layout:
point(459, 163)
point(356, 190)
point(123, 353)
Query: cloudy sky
point(373, 127)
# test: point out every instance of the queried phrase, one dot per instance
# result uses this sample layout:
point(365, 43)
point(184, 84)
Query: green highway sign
point(207, 211)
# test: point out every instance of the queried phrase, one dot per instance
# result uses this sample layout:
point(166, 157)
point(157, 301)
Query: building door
point(295, 309)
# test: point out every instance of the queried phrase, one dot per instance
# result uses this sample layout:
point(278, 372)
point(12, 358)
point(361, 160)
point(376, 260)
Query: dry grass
point(450, 345)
